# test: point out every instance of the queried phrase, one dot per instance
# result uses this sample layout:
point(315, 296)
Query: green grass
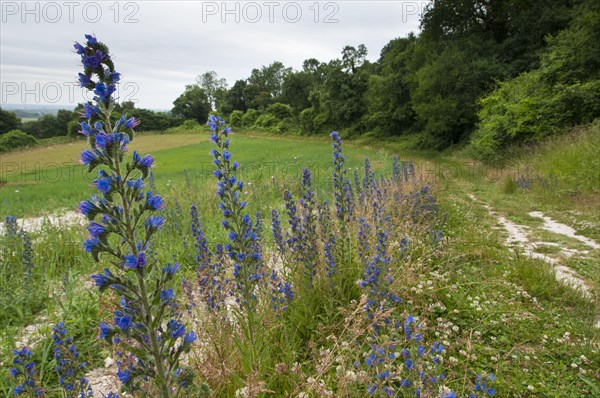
point(494, 311)
point(43, 179)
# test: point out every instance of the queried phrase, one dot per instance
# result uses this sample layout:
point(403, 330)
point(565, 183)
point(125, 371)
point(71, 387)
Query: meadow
point(493, 310)
point(245, 264)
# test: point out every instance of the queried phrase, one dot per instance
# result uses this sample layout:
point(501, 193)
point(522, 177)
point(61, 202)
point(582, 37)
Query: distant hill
point(35, 110)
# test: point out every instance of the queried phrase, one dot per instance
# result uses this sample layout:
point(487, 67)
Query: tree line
point(492, 73)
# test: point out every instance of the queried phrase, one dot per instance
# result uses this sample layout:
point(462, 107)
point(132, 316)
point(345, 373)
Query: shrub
point(280, 111)
point(307, 124)
point(250, 117)
point(190, 124)
point(266, 122)
point(562, 93)
point(286, 125)
point(15, 139)
point(236, 119)
point(72, 129)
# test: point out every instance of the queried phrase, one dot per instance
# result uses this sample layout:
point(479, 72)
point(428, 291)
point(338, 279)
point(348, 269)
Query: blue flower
point(96, 229)
point(137, 184)
point(104, 92)
point(154, 202)
point(167, 295)
point(124, 375)
point(134, 262)
point(93, 61)
point(146, 161)
point(79, 48)
point(170, 269)
point(103, 140)
point(103, 184)
point(176, 328)
point(122, 321)
point(132, 122)
point(154, 223)
point(84, 80)
point(114, 76)
point(91, 40)
point(90, 110)
point(105, 330)
point(103, 280)
point(87, 156)
point(91, 244)
point(85, 129)
point(189, 338)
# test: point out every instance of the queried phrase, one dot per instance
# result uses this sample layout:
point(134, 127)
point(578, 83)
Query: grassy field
point(41, 180)
point(495, 311)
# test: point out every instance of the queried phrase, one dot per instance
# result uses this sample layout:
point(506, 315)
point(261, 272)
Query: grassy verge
point(493, 311)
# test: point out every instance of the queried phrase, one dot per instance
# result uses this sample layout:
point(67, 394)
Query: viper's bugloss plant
point(254, 284)
point(342, 188)
point(23, 370)
point(123, 218)
point(69, 367)
point(242, 249)
point(377, 279)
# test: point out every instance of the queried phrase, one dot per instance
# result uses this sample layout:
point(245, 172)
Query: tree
point(235, 99)
point(156, 121)
point(265, 85)
point(389, 97)
point(8, 121)
point(192, 104)
point(214, 88)
point(50, 125)
point(339, 102)
point(353, 58)
point(446, 91)
point(296, 89)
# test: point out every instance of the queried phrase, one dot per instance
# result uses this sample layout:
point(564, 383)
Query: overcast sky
point(160, 46)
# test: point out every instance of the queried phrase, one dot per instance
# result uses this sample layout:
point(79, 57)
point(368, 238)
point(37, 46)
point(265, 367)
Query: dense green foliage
point(563, 92)
point(8, 121)
point(514, 71)
point(15, 139)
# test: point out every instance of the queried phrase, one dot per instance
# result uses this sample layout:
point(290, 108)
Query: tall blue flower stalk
point(69, 367)
point(329, 247)
point(309, 226)
point(377, 276)
point(123, 219)
point(203, 254)
point(342, 188)
point(396, 169)
point(27, 255)
point(277, 232)
point(302, 236)
point(247, 261)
